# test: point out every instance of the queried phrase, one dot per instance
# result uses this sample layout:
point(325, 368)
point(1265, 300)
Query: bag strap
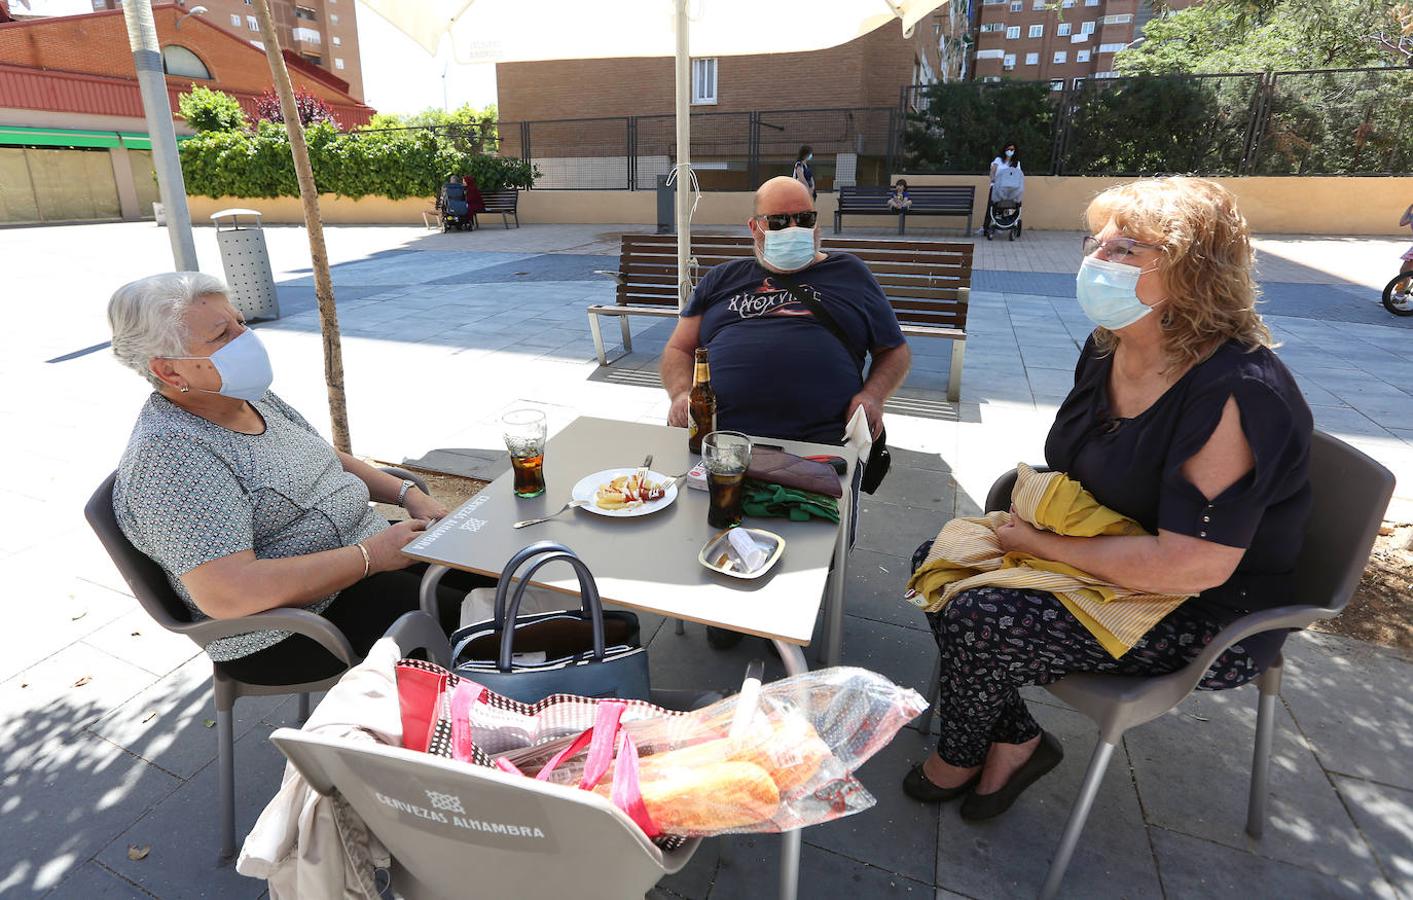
point(591, 608)
point(466, 695)
point(507, 574)
point(821, 315)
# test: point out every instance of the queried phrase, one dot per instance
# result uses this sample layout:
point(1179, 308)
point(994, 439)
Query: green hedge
point(392, 164)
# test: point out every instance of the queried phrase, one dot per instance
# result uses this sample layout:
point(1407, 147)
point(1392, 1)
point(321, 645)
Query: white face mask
point(1108, 293)
point(1010, 153)
point(244, 367)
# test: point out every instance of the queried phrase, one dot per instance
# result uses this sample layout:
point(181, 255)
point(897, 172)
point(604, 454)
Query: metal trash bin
point(666, 206)
point(247, 263)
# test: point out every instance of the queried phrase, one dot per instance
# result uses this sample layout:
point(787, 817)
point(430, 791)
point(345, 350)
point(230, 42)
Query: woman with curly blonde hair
point(1181, 418)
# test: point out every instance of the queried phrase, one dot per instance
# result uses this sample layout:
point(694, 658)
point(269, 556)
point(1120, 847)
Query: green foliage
point(1170, 125)
point(470, 130)
point(1339, 123)
point(393, 164)
point(1271, 35)
point(965, 124)
point(208, 110)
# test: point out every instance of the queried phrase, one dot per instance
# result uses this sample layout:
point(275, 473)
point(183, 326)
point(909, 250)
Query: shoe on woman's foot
point(917, 785)
point(1047, 756)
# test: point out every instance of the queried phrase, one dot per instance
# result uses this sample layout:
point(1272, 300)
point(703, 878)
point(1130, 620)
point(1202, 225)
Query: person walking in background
point(803, 173)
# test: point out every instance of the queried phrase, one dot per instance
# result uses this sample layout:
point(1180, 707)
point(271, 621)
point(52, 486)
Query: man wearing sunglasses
point(776, 369)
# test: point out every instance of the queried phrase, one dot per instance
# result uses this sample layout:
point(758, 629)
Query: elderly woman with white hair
point(239, 500)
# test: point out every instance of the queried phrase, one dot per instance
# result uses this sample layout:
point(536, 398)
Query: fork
point(572, 504)
point(642, 472)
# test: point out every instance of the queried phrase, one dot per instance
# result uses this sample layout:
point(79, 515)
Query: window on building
point(333, 19)
point(308, 35)
point(704, 80)
point(1091, 2)
point(1039, 5)
point(1078, 83)
point(991, 79)
point(338, 63)
point(1037, 31)
point(992, 26)
point(1109, 74)
point(338, 41)
point(992, 2)
point(304, 12)
point(1066, 4)
point(253, 23)
point(1086, 27)
point(1120, 19)
point(1008, 62)
point(1017, 5)
point(179, 61)
point(1061, 57)
point(1111, 48)
point(1057, 84)
point(1081, 56)
point(1013, 33)
point(1063, 29)
point(1032, 59)
point(314, 58)
point(235, 20)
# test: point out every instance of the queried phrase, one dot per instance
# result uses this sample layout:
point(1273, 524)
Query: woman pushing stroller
point(1003, 204)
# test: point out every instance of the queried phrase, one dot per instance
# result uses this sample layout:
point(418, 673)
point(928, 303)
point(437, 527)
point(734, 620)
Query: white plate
point(588, 488)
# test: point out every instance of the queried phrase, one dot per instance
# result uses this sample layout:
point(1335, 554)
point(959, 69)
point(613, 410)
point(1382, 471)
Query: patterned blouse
point(189, 491)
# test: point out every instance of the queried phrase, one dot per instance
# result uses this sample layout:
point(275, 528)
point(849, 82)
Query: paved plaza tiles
point(103, 717)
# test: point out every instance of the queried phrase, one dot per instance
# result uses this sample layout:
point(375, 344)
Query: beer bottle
point(701, 404)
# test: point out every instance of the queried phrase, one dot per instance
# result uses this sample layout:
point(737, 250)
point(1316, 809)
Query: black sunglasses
point(779, 221)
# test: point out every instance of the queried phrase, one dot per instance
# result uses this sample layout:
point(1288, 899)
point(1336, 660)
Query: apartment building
point(321, 32)
point(1040, 40)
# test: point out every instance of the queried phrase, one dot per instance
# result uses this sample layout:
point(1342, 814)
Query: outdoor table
point(649, 563)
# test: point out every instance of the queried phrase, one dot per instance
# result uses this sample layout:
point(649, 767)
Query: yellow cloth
point(967, 555)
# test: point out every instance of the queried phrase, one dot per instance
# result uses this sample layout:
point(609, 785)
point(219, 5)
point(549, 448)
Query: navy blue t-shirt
point(776, 371)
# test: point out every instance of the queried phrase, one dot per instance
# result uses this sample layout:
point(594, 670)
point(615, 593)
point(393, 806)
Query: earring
point(184, 389)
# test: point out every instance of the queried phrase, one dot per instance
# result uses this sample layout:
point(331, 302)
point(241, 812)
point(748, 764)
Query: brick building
point(838, 100)
point(73, 137)
point(321, 32)
point(1032, 40)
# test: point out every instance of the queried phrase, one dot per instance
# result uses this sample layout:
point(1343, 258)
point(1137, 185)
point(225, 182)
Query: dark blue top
point(1134, 466)
point(776, 371)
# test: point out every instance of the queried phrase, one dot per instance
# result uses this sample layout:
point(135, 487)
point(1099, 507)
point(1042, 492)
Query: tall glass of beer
point(727, 455)
point(525, 439)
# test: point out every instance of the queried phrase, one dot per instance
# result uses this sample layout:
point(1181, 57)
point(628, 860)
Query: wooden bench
point(504, 203)
point(928, 200)
point(928, 283)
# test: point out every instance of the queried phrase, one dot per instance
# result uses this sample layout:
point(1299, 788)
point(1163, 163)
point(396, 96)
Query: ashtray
point(716, 557)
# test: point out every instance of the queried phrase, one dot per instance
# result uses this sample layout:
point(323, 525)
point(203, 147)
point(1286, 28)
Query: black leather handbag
point(586, 651)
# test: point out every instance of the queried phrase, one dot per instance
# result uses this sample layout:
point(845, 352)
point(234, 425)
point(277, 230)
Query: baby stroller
point(456, 212)
point(1003, 213)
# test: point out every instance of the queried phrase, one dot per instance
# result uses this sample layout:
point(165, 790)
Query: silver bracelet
point(367, 560)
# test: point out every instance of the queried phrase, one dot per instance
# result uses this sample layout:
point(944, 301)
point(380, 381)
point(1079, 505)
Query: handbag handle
point(547, 552)
point(507, 574)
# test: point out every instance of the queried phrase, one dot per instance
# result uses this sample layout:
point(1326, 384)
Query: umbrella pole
point(684, 154)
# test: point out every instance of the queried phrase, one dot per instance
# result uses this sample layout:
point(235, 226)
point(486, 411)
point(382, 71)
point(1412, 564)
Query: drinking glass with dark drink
point(701, 404)
point(727, 455)
point(525, 439)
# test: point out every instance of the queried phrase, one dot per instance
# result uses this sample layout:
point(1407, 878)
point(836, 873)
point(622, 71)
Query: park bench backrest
point(957, 198)
point(924, 280)
point(501, 201)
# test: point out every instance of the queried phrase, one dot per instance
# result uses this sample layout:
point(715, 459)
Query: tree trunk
point(309, 197)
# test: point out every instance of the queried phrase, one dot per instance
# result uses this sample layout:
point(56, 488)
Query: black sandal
point(917, 785)
point(1047, 756)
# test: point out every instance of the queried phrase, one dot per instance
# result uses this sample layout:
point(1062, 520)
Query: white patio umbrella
point(490, 31)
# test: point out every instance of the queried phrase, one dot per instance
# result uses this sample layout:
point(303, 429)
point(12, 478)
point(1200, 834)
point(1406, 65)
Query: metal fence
point(1328, 122)
point(730, 151)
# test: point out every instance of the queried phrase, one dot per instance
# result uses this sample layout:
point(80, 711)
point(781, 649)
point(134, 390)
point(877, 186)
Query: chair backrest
point(943, 197)
point(146, 579)
point(864, 197)
point(924, 280)
point(461, 830)
point(1351, 491)
point(1351, 495)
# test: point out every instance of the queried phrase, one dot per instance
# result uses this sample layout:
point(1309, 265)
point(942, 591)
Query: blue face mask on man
point(244, 367)
point(789, 249)
point(1108, 293)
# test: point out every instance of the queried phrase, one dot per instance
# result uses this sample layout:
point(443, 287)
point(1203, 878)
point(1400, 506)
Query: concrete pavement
point(103, 717)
